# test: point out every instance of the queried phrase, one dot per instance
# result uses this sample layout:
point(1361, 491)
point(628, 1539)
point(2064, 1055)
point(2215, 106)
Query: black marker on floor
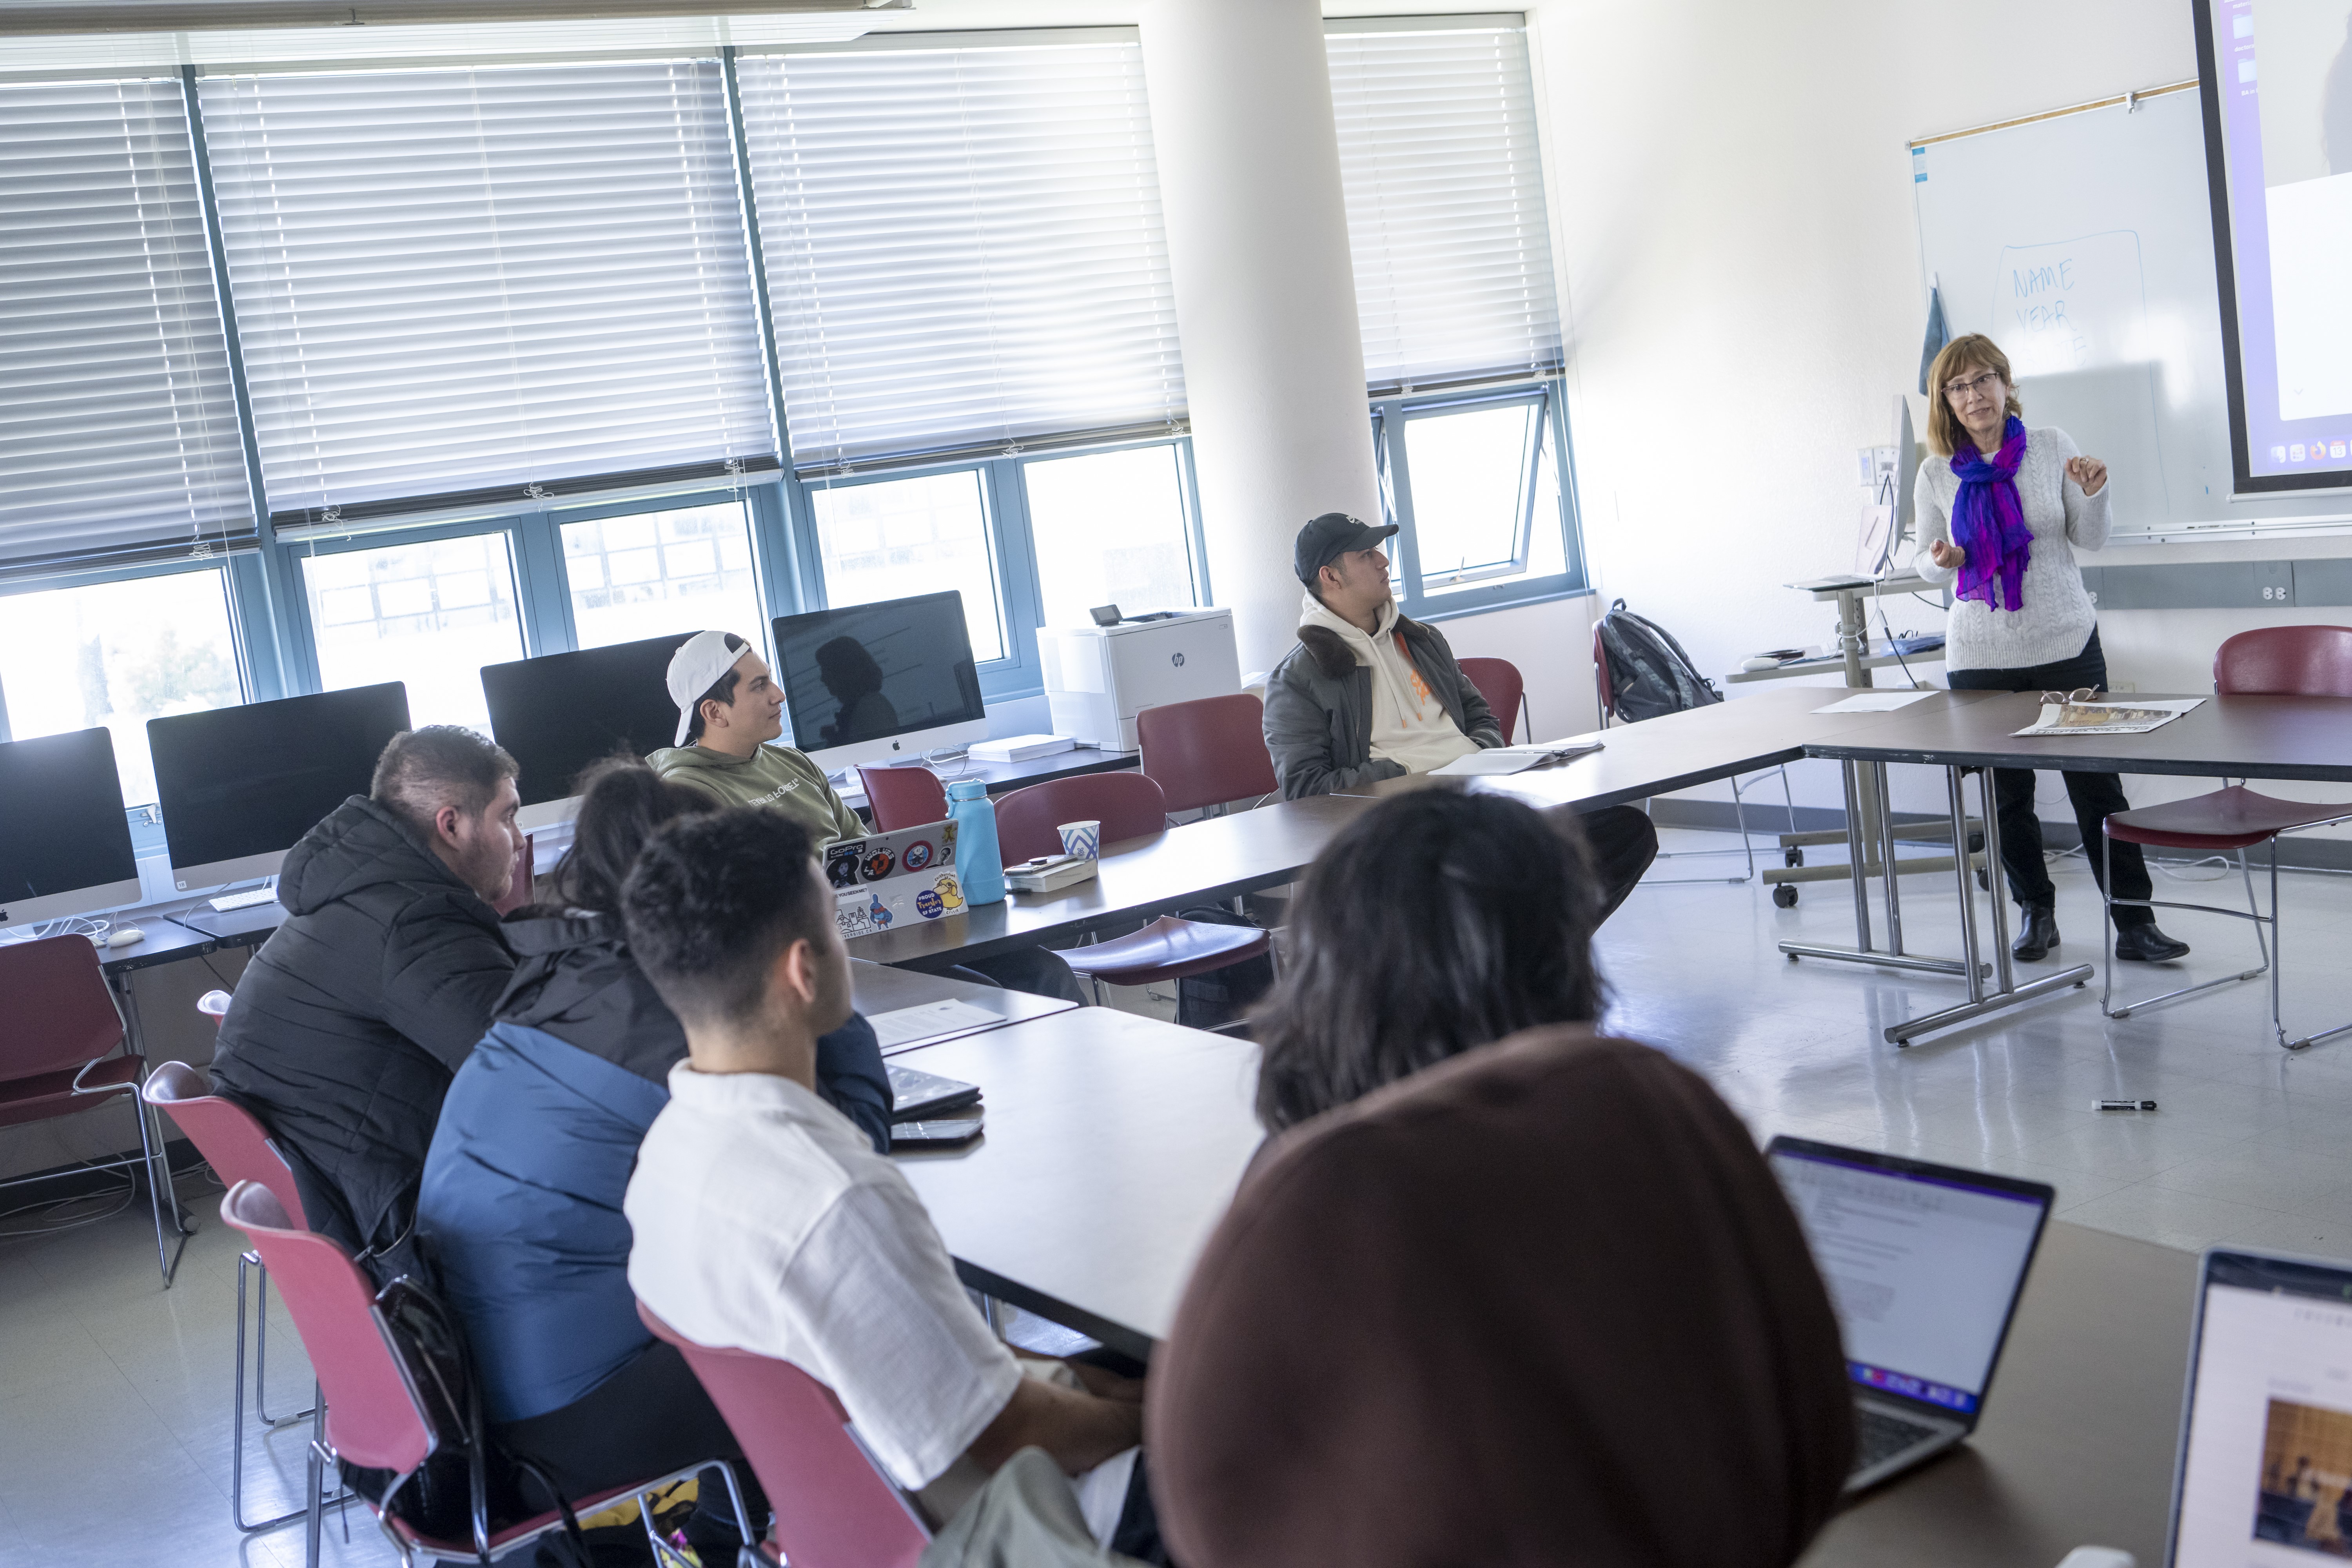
point(2123, 1105)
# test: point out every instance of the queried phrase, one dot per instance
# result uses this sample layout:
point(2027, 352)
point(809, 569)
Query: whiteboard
point(2082, 244)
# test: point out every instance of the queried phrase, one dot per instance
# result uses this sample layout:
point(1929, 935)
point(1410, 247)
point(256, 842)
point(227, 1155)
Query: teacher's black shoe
point(2037, 933)
point(2145, 944)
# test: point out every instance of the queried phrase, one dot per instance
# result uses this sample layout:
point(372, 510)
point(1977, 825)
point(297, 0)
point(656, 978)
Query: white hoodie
point(1409, 725)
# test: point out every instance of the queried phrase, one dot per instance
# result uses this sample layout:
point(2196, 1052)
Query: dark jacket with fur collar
point(1318, 708)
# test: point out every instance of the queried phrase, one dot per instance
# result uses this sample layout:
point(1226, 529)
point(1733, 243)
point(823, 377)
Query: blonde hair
point(1946, 434)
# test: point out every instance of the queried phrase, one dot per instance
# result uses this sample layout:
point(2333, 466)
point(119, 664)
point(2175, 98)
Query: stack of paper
point(1020, 748)
point(2109, 718)
point(1514, 759)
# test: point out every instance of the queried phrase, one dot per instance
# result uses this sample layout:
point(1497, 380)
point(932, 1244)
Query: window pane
point(118, 654)
point(897, 538)
point(429, 615)
point(1469, 473)
point(657, 573)
point(1110, 529)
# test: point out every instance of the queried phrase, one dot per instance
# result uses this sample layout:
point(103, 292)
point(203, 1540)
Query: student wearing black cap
point(1367, 694)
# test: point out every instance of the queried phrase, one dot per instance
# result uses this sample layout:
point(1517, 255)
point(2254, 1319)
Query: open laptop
point(1924, 1264)
point(2264, 1472)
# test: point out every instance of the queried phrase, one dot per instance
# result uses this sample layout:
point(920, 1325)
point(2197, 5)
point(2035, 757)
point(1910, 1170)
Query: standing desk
point(1115, 1142)
point(1208, 862)
point(2305, 738)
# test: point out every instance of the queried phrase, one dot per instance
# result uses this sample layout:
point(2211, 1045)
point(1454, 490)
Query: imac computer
point(64, 844)
point(879, 683)
point(557, 713)
point(239, 786)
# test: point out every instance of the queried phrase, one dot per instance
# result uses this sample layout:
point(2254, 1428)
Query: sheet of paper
point(2109, 718)
point(931, 1019)
point(1875, 703)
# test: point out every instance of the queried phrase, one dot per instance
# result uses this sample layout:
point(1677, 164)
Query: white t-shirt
point(1410, 726)
point(765, 1222)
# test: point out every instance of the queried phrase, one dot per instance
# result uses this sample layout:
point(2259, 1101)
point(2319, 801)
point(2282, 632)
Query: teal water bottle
point(980, 866)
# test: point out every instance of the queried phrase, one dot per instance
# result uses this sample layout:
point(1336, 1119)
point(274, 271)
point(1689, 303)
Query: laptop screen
point(1923, 1263)
point(2266, 1450)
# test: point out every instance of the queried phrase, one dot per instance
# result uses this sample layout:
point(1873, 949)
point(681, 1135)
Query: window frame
point(1492, 588)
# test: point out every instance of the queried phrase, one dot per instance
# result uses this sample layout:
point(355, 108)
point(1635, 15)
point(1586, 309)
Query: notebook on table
point(1924, 1264)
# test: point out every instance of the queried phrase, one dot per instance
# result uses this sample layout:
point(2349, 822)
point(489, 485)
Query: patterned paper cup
point(1081, 838)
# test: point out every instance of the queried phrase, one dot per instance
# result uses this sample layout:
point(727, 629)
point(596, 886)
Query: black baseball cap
point(1330, 536)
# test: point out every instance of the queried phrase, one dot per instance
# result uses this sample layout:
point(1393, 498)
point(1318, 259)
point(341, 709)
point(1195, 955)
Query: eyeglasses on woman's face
point(1987, 382)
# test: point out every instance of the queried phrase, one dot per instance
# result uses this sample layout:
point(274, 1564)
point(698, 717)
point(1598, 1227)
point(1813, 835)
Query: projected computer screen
point(2277, 80)
point(238, 782)
point(559, 713)
point(61, 822)
point(870, 671)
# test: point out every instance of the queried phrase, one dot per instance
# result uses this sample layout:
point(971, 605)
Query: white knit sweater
point(2057, 619)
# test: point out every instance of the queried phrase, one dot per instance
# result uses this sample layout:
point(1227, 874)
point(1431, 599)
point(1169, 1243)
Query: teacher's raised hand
point(2088, 472)
point(1943, 554)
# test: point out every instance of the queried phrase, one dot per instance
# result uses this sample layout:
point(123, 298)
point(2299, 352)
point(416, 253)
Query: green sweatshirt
point(773, 775)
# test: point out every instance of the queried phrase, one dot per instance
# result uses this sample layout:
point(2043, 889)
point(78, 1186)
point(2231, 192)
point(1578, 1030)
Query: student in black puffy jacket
point(520, 1204)
point(347, 1023)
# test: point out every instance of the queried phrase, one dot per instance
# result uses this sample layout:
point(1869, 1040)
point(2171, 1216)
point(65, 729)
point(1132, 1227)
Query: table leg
point(1980, 1003)
point(1886, 859)
point(1996, 879)
point(1854, 842)
point(1856, 839)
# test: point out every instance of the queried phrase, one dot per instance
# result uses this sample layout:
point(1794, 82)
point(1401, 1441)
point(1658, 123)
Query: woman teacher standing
point(2003, 515)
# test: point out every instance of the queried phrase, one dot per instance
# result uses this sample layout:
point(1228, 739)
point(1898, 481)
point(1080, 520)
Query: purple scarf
point(1989, 522)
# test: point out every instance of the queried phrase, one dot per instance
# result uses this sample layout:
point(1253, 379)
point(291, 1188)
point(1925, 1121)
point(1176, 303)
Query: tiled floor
point(114, 1395)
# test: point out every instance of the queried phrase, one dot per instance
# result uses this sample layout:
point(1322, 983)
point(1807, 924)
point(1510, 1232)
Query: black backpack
point(1649, 673)
point(469, 1485)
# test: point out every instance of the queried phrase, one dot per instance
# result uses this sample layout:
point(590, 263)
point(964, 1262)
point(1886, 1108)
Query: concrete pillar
point(1266, 296)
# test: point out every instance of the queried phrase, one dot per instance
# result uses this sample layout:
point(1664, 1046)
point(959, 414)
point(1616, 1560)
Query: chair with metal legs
point(238, 1148)
point(57, 1032)
point(2270, 661)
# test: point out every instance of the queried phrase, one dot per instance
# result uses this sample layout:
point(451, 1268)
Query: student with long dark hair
point(520, 1207)
point(1436, 923)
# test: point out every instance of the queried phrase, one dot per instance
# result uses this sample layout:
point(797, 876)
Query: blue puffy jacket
point(520, 1206)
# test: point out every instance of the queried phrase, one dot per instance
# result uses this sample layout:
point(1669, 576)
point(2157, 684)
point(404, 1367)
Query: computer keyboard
point(1878, 1436)
point(247, 900)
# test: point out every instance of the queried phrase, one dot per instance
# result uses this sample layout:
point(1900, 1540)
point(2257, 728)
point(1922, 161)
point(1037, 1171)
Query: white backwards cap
point(694, 669)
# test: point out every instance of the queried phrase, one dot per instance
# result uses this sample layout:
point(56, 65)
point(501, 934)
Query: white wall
point(1732, 197)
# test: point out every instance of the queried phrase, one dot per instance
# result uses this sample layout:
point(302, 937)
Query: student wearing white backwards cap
point(730, 711)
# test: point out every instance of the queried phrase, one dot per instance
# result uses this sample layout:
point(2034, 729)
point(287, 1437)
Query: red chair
point(2273, 661)
point(57, 1026)
point(1499, 682)
point(903, 797)
point(1028, 821)
point(1207, 753)
point(835, 1507)
point(239, 1149)
point(374, 1416)
point(1129, 806)
point(519, 885)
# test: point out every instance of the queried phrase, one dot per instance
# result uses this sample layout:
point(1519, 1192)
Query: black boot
point(2145, 944)
point(2037, 933)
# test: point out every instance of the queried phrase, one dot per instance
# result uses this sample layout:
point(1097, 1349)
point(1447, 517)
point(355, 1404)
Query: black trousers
point(1622, 842)
point(2095, 797)
point(647, 1419)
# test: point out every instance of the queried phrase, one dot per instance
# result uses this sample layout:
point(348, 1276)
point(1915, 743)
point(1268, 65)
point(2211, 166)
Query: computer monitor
point(64, 844)
point(883, 682)
point(239, 786)
point(557, 713)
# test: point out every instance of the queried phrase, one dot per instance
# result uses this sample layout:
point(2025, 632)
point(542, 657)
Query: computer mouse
point(123, 936)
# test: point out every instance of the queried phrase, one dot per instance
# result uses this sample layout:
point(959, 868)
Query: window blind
point(117, 427)
point(460, 289)
point(963, 248)
point(1445, 205)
